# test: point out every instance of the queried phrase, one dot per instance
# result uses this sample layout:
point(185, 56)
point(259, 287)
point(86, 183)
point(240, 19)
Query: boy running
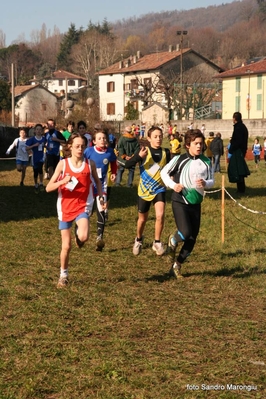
point(151, 189)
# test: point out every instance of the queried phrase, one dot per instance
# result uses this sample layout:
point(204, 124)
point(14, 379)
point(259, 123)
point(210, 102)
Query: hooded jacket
point(128, 145)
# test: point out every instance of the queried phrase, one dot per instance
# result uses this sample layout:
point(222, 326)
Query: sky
point(19, 19)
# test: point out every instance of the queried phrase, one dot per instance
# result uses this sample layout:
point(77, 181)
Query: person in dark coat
point(239, 141)
point(217, 149)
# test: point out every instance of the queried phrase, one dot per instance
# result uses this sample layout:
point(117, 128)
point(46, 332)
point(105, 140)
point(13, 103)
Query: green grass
point(123, 329)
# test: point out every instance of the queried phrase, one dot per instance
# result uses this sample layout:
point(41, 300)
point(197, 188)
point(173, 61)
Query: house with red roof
point(138, 79)
point(34, 104)
point(243, 90)
point(61, 82)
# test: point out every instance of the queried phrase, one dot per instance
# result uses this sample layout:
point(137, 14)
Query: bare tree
point(93, 52)
point(2, 39)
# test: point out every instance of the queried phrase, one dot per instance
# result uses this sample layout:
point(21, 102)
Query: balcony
point(134, 94)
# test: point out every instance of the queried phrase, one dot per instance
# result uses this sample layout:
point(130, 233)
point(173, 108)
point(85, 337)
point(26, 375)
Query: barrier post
point(223, 209)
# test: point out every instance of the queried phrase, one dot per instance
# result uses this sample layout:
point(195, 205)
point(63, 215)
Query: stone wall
point(256, 127)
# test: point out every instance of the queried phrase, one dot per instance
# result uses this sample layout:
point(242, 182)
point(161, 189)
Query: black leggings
point(187, 219)
point(38, 169)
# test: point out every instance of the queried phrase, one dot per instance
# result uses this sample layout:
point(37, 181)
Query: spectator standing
point(208, 141)
point(174, 145)
point(237, 169)
point(127, 146)
point(170, 130)
point(264, 147)
point(142, 131)
point(217, 149)
point(256, 149)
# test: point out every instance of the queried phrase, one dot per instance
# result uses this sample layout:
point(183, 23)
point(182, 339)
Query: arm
point(167, 172)
point(209, 182)
point(98, 183)
point(136, 158)
point(10, 148)
point(96, 179)
point(113, 167)
point(54, 183)
point(59, 138)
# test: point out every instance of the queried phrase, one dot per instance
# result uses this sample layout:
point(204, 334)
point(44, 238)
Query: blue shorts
point(68, 225)
point(23, 163)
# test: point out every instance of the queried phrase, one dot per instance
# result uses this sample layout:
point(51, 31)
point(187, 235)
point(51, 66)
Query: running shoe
point(171, 246)
point(175, 271)
point(100, 243)
point(137, 247)
point(62, 282)
point(158, 248)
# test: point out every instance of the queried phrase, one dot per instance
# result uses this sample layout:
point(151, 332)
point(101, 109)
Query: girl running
point(73, 179)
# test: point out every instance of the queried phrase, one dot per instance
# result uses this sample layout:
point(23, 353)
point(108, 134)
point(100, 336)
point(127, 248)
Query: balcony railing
point(134, 93)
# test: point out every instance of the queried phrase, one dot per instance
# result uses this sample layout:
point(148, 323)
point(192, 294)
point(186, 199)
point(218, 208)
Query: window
point(259, 82)
point(60, 82)
point(135, 105)
point(110, 87)
point(259, 102)
point(110, 108)
point(238, 84)
point(127, 86)
point(134, 84)
point(147, 82)
point(237, 104)
point(43, 107)
point(71, 82)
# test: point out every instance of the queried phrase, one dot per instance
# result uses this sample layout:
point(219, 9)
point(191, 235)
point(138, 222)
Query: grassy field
point(123, 329)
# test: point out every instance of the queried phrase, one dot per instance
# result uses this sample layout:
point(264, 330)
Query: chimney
point(134, 59)
point(170, 48)
point(120, 64)
point(127, 63)
point(177, 47)
point(138, 55)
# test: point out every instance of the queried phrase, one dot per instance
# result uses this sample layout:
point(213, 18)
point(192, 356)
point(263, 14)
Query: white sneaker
point(158, 248)
point(137, 247)
point(62, 282)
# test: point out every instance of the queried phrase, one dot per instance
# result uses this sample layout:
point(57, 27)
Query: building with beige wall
point(34, 104)
point(138, 80)
point(243, 90)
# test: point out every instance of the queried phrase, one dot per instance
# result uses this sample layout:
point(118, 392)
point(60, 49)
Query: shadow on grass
point(21, 203)
point(235, 272)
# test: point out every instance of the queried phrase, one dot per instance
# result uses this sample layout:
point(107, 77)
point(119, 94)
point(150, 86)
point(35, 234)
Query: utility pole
point(12, 96)
point(181, 33)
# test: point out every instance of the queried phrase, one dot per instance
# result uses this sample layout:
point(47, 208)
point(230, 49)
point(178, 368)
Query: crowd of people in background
point(82, 166)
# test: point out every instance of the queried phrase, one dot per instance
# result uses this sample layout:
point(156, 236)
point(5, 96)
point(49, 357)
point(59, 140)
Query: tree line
point(228, 35)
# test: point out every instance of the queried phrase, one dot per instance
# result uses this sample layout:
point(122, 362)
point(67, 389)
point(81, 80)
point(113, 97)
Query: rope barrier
point(237, 203)
point(7, 159)
point(244, 207)
point(212, 192)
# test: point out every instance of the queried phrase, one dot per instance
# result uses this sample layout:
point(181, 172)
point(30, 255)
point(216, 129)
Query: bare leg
point(159, 223)
point(141, 223)
point(65, 249)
